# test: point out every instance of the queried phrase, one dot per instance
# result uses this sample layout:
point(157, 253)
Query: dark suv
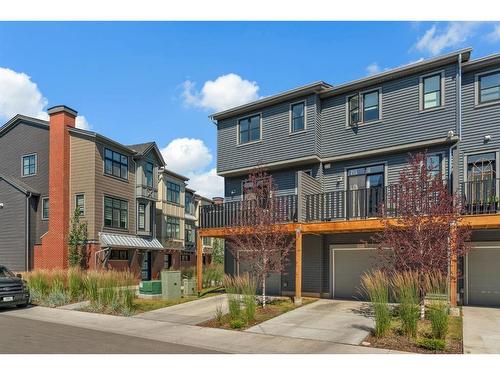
point(13, 289)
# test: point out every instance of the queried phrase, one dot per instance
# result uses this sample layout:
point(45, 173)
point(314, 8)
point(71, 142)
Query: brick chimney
point(54, 251)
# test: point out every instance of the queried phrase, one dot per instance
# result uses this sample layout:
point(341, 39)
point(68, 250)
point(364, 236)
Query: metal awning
point(126, 241)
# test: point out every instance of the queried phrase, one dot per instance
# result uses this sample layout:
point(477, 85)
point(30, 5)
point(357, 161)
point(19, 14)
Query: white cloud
point(373, 68)
point(191, 157)
point(207, 183)
point(494, 36)
point(19, 94)
point(437, 39)
point(224, 92)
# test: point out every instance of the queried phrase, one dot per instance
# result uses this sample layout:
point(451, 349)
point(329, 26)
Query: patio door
point(365, 191)
point(481, 190)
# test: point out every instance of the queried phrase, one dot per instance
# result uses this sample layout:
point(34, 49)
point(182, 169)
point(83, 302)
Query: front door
point(146, 266)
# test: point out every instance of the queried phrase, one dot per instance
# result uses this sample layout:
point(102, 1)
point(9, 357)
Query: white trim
point(479, 152)
point(36, 164)
point(477, 103)
point(290, 131)
point(421, 91)
point(238, 129)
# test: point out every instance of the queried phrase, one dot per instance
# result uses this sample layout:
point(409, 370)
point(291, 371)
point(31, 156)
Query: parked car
point(13, 289)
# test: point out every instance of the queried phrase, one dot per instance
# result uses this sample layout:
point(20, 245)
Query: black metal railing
point(283, 209)
point(480, 197)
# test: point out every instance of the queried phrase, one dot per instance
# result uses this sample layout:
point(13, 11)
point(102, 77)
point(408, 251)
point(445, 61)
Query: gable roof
point(143, 148)
point(17, 119)
point(18, 184)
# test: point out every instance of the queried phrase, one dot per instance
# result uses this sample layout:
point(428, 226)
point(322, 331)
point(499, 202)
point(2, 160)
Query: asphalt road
point(25, 336)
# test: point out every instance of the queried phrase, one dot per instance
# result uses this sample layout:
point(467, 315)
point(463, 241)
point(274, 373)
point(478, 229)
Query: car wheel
point(23, 305)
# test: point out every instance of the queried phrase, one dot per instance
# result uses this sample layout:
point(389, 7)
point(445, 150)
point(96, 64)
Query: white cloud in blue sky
point(373, 68)
point(20, 95)
point(226, 91)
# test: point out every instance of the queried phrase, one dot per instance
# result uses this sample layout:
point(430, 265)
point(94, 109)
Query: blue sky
point(141, 81)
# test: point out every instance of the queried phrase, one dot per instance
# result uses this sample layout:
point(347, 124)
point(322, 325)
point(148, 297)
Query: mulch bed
point(395, 340)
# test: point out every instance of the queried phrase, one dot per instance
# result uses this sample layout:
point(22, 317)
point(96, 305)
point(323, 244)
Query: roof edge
point(22, 118)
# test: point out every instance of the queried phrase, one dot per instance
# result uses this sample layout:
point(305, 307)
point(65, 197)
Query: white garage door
point(483, 276)
point(349, 264)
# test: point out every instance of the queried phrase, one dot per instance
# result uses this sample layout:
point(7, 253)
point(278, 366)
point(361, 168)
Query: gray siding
point(477, 121)
point(306, 185)
point(402, 121)
point(12, 227)
point(277, 143)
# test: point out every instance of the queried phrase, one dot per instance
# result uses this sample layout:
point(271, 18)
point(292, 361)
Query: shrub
point(405, 286)
point(128, 301)
point(212, 275)
point(431, 344)
point(38, 283)
point(76, 287)
point(91, 285)
point(436, 283)
point(219, 314)
point(236, 323)
point(57, 298)
point(248, 288)
point(438, 315)
point(376, 287)
point(188, 272)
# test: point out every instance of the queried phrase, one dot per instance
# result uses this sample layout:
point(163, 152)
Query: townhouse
point(333, 152)
point(50, 168)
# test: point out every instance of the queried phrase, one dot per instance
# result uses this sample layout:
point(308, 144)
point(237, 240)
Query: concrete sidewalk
point(201, 337)
point(191, 313)
point(481, 330)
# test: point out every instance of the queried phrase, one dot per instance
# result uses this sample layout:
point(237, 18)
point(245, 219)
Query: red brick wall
point(54, 250)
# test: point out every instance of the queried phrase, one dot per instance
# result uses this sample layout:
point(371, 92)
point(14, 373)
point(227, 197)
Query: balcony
point(477, 198)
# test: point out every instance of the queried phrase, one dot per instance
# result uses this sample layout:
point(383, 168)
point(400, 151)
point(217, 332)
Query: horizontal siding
point(402, 122)
point(276, 145)
point(477, 121)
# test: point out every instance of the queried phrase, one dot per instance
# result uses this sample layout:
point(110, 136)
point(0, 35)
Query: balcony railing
point(238, 213)
point(480, 197)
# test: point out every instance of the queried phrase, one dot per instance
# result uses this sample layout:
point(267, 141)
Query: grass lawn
point(273, 309)
point(397, 341)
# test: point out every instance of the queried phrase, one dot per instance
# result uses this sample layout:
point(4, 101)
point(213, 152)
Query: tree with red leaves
point(422, 222)
point(257, 237)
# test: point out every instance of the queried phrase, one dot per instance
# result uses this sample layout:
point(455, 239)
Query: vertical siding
point(401, 118)
point(306, 185)
point(83, 180)
point(312, 260)
point(277, 143)
point(477, 121)
point(12, 227)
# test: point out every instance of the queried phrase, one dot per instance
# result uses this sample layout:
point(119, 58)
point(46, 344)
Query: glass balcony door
point(365, 191)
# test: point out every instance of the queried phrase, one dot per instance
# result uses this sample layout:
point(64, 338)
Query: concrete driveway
point(190, 313)
point(481, 330)
point(345, 322)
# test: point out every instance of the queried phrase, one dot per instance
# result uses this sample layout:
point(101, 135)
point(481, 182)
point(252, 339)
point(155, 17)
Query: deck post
point(453, 267)
point(298, 266)
point(199, 261)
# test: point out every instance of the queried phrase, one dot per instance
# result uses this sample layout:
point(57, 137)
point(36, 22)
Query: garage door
point(348, 267)
point(483, 276)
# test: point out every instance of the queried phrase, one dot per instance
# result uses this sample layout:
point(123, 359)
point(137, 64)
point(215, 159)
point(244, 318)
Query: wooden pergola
point(346, 226)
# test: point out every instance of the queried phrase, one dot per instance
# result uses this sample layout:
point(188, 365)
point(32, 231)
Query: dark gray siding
point(277, 143)
point(477, 121)
point(402, 121)
point(312, 267)
point(25, 139)
point(12, 227)
point(395, 163)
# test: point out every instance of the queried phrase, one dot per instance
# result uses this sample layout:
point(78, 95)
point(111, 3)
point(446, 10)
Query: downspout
point(27, 234)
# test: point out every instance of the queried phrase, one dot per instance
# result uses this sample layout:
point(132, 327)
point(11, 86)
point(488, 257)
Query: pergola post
point(453, 267)
point(298, 266)
point(199, 262)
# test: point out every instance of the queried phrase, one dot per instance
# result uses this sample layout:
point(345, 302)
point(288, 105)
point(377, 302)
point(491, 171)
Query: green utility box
point(171, 284)
point(189, 287)
point(150, 287)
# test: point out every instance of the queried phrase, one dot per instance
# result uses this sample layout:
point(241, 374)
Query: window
point(173, 193)
point(489, 87)
point(141, 216)
point(118, 255)
point(80, 203)
point(185, 257)
point(370, 106)
point(189, 204)
point(249, 129)
point(434, 165)
point(363, 107)
point(115, 213)
point(29, 165)
point(189, 232)
point(432, 91)
point(354, 109)
point(298, 117)
point(115, 164)
point(481, 167)
point(149, 174)
point(45, 208)
point(173, 227)
point(207, 241)
point(167, 261)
